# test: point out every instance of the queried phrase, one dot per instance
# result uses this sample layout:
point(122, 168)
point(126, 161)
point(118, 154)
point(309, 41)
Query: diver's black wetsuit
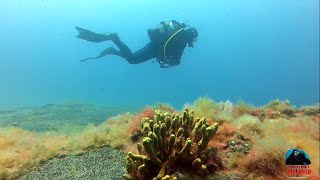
point(144, 54)
point(167, 47)
point(174, 50)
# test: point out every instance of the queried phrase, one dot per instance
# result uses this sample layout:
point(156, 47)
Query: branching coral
point(171, 144)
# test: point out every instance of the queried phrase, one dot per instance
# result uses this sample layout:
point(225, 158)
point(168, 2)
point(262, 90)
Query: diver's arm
point(176, 59)
point(164, 66)
point(175, 62)
point(168, 63)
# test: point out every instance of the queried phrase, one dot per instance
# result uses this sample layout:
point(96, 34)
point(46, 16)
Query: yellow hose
point(164, 49)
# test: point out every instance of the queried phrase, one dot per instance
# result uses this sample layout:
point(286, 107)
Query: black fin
point(107, 51)
point(91, 36)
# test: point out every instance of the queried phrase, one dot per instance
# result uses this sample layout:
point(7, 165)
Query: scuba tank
point(164, 30)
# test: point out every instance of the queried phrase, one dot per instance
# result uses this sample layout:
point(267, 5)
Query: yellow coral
point(172, 141)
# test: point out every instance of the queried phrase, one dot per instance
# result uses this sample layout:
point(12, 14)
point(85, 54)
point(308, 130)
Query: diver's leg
point(144, 54)
point(140, 56)
point(125, 51)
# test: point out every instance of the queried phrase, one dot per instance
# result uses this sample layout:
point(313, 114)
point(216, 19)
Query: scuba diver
point(167, 43)
point(297, 158)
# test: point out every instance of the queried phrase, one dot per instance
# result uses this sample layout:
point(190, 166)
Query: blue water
point(248, 50)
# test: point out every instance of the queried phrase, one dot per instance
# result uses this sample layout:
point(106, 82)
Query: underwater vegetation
point(252, 141)
point(23, 150)
point(246, 141)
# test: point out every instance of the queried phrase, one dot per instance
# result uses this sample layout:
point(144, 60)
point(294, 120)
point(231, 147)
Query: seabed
point(86, 141)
